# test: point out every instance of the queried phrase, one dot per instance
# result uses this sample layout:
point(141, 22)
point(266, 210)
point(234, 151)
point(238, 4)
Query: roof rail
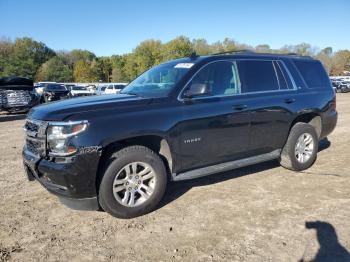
point(234, 51)
point(259, 53)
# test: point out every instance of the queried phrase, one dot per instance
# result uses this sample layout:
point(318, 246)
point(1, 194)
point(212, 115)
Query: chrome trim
point(62, 123)
point(295, 87)
point(179, 98)
point(37, 136)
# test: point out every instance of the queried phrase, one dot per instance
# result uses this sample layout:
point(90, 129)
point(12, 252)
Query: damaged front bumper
point(72, 179)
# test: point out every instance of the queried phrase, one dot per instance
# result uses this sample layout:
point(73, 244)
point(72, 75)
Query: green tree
point(325, 56)
point(6, 49)
point(177, 48)
point(341, 62)
point(83, 72)
point(264, 48)
point(118, 68)
point(147, 54)
point(229, 44)
point(72, 57)
point(201, 46)
point(102, 68)
point(54, 70)
point(26, 57)
point(130, 67)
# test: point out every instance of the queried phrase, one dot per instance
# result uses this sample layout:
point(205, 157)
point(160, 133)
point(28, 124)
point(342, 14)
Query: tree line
point(30, 58)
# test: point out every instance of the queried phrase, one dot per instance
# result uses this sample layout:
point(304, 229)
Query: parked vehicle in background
point(68, 86)
point(39, 87)
point(182, 119)
point(76, 91)
point(101, 89)
point(341, 86)
point(114, 88)
point(344, 87)
point(17, 94)
point(53, 92)
point(91, 89)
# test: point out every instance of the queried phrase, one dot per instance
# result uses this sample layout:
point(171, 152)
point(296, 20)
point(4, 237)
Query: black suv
point(183, 119)
point(53, 92)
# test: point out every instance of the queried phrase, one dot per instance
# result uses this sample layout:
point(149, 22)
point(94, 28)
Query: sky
point(108, 27)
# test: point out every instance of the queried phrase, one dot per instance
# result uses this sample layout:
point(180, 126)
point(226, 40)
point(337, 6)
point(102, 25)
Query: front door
point(215, 126)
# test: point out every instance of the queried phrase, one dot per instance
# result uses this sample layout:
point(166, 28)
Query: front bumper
point(71, 179)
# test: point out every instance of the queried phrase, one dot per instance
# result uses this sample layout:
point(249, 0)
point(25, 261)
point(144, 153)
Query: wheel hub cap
point(134, 184)
point(304, 147)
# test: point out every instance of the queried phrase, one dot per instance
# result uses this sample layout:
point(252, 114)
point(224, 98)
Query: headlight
point(59, 136)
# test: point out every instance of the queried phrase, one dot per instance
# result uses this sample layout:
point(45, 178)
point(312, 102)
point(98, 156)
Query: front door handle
point(289, 100)
point(239, 107)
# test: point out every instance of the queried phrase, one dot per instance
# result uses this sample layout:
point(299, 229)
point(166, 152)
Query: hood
point(16, 83)
point(61, 110)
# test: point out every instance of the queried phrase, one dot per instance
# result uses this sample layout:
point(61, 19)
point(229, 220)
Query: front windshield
point(158, 81)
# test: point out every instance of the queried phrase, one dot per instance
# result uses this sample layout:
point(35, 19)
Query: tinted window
point(257, 76)
point(78, 88)
point(55, 87)
point(313, 73)
point(119, 86)
point(220, 78)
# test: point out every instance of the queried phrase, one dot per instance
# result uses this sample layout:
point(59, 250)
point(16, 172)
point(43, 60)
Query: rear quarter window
point(313, 74)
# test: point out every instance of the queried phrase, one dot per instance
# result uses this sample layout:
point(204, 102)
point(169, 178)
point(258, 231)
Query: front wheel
point(133, 183)
point(300, 150)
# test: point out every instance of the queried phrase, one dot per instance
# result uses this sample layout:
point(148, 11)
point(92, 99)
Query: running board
point(205, 171)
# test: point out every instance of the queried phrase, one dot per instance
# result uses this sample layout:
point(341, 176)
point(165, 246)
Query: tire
point(115, 170)
point(289, 158)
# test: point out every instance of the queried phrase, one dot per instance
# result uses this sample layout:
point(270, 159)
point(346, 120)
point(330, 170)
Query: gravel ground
point(259, 213)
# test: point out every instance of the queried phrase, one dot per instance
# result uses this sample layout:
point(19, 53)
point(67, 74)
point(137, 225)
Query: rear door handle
point(239, 107)
point(289, 100)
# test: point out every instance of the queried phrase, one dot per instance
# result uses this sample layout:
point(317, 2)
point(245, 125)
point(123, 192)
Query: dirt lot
point(258, 213)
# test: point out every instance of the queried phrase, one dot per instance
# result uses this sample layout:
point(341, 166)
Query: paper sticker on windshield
point(184, 65)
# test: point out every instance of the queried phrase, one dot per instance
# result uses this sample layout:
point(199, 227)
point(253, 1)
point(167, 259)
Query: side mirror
point(196, 90)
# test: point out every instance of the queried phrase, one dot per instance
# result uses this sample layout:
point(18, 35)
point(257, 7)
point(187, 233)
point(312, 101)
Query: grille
point(16, 98)
point(36, 136)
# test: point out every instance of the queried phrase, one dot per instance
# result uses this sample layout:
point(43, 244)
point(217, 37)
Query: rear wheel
point(300, 150)
point(134, 182)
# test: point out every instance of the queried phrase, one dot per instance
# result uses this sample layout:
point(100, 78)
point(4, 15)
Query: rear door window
point(313, 73)
point(257, 76)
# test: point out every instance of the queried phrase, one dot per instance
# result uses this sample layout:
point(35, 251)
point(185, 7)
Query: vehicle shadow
point(177, 189)
point(324, 144)
point(330, 248)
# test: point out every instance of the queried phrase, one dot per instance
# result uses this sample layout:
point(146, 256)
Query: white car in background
point(114, 88)
point(76, 91)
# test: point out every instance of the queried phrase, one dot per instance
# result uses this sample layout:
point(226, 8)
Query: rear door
point(272, 98)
